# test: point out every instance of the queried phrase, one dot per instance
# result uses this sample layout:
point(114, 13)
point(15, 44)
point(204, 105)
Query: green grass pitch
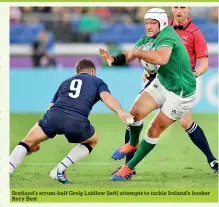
point(174, 163)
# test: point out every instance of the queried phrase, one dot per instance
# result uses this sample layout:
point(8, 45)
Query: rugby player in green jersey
point(172, 91)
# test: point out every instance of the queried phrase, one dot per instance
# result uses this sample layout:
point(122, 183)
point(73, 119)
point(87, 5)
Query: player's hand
point(126, 117)
point(145, 75)
point(106, 56)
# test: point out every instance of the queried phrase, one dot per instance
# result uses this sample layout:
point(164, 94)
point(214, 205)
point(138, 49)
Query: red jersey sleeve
point(200, 45)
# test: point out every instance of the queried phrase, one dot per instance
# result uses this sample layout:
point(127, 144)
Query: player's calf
point(77, 153)
point(28, 144)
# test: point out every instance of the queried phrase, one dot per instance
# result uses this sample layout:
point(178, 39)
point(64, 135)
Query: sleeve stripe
point(164, 46)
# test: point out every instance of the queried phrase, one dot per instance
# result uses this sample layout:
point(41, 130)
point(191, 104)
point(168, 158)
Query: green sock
point(134, 134)
point(141, 152)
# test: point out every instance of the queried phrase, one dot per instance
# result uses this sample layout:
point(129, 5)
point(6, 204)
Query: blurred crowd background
point(57, 37)
point(46, 43)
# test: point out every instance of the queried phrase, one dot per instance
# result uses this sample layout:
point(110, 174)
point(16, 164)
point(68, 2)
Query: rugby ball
point(150, 68)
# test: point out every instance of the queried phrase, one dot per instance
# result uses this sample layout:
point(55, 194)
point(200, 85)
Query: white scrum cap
point(158, 14)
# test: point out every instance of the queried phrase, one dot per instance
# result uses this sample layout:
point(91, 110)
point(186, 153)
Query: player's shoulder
point(167, 33)
point(100, 81)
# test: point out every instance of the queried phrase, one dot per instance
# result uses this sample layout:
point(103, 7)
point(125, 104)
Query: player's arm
point(160, 56)
point(203, 66)
point(111, 102)
point(118, 60)
point(115, 106)
point(201, 51)
point(123, 58)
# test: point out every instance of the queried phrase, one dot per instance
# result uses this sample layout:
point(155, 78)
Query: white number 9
point(75, 87)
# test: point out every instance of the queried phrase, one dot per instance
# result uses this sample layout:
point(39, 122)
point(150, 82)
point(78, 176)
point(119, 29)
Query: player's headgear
point(158, 14)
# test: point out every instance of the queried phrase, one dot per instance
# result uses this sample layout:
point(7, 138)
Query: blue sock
point(130, 155)
point(198, 138)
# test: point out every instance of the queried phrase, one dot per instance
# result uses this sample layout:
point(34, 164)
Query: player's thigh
point(175, 107)
point(186, 121)
point(35, 136)
point(143, 106)
point(159, 123)
point(150, 99)
point(78, 130)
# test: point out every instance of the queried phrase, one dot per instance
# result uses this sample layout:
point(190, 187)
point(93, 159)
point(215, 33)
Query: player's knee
point(155, 130)
point(93, 141)
point(137, 113)
point(29, 141)
point(185, 124)
point(152, 132)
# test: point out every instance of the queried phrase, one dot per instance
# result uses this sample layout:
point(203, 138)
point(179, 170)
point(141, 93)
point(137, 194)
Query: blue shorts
point(75, 128)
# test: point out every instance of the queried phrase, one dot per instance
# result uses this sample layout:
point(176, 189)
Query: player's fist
point(126, 117)
point(106, 56)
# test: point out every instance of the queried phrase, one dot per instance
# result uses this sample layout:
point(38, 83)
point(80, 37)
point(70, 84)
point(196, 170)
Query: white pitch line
point(110, 163)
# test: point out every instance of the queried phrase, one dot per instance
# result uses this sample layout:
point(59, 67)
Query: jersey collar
point(181, 27)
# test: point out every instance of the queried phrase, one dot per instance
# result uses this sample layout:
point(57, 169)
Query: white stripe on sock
point(76, 154)
point(137, 123)
point(17, 157)
point(151, 140)
point(192, 127)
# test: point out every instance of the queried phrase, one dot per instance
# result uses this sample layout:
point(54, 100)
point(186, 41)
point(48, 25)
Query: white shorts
point(172, 105)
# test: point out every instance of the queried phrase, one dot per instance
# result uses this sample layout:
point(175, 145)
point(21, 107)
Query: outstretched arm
point(120, 59)
point(115, 106)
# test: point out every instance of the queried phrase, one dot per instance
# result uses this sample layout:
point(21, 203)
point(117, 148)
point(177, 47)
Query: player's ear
point(94, 72)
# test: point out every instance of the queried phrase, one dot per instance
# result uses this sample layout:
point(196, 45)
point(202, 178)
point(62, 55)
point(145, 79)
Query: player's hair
point(84, 65)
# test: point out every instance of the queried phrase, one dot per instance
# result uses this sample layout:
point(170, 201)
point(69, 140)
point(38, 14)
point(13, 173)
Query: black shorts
point(75, 128)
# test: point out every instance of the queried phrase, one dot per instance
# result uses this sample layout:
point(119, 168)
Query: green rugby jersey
point(176, 75)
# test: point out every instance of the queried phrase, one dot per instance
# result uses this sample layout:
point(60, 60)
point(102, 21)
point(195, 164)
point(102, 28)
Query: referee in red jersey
point(192, 38)
point(196, 46)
